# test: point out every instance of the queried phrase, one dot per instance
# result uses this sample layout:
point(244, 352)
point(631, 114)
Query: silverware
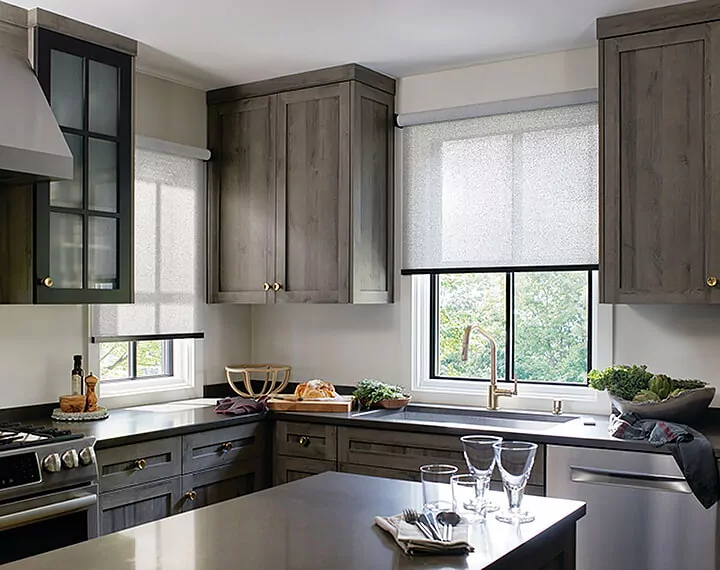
point(429, 520)
point(448, 520)
point(411, 517)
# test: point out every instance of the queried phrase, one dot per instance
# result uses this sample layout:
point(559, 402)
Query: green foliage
point(689, 384)
point(550, 325)
point(373, 391)
point(661, 384)
point(646, 396)
point(622, 381)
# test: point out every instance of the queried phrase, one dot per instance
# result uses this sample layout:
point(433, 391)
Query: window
point(541, 322)
point(132, 360)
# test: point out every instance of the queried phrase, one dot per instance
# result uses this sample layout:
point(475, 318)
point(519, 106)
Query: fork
point(411, 517)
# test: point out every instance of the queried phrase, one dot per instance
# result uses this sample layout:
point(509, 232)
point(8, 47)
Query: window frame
point(168, 361)
point(434, 308)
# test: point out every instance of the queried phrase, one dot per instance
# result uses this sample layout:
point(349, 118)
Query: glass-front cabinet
point(83, 227)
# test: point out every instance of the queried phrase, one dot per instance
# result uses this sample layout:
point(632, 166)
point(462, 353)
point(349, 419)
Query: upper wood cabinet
point(660, 161)
point(301, 189)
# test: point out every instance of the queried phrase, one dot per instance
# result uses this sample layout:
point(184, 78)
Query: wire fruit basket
point(274, 378)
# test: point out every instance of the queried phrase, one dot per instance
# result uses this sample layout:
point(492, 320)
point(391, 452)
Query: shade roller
point(169, 221)
point(511, 191)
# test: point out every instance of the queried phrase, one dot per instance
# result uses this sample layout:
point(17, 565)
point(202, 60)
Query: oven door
point(38, 525)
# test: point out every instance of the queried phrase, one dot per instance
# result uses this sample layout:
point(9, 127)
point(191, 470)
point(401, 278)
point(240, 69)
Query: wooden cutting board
point(290, 403)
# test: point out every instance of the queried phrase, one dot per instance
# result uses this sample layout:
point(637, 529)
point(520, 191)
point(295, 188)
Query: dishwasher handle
point(628, 479)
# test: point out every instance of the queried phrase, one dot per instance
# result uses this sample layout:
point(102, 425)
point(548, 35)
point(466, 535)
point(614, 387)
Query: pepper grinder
point(91, 399)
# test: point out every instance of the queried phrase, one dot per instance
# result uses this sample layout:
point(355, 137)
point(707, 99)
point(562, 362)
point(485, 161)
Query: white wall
point(37, 343)
point(344, 344)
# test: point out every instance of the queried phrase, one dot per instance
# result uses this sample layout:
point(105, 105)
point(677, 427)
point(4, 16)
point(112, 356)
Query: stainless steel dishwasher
point(641, 514)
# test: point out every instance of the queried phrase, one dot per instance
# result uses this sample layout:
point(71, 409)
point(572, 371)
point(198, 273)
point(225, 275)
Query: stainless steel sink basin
point(502, 420)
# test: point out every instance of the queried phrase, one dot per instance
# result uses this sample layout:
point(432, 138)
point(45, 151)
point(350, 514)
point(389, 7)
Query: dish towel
point(241, 406)
point(692, 451)
point(411, 539)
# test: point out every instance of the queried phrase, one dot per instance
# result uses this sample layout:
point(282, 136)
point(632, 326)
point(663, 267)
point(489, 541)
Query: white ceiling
point(214, 43)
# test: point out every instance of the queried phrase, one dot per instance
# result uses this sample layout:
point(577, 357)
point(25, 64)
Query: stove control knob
point(52, 464)
point(87, 456)
point(70, 459)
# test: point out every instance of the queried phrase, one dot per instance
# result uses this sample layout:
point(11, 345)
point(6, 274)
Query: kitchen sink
point(431, 415)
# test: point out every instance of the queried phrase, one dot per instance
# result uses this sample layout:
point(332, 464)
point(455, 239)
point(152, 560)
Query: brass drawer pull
point(266, 286)
point(712, 281)
point(304, 441)
point(140, 464)
point(277, 286)
point(47, 282)
point(191, 495)
point(225, 447)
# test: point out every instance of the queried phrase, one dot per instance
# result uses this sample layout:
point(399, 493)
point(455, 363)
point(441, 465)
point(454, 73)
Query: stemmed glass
point(480, 459)
point(515, 461)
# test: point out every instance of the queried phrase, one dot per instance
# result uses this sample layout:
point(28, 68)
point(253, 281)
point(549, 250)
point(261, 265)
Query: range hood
point(32, 148)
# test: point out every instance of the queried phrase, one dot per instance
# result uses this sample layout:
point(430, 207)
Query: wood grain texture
point(655, 209)
point(316, 78)
point(206, 450)
point(288, 469)
point(223, 483)
point(16, 245)
point(322, 440)
point(241, 213)
point(313, 195)
point(372, 195)
point(117, 465)
point(690, 13)
point(139, 505)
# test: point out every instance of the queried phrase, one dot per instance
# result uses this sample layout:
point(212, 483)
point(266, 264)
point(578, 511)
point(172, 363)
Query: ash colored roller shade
point(510, 191)
point(169, 260)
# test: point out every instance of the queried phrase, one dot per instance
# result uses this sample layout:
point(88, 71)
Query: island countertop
point(324, 522)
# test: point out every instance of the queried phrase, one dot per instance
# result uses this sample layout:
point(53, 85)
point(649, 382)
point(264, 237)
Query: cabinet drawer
point(314, 441)
point(287, 469)
point(223, 483)
point(139, 463)
point(139, 505)
point(407, 452)
point(210, 449)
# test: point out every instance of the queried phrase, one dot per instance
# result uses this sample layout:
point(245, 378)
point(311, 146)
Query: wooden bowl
point(683, 408)
point(386, 404)
point(72, 404)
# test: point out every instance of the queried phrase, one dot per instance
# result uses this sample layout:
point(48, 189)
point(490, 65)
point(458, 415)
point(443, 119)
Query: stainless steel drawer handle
point(304, 441)
point(47, 511)
point(628, 479)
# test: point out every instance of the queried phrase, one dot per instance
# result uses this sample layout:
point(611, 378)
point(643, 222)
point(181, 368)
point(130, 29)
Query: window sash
point(167, 362)
point(509, 324)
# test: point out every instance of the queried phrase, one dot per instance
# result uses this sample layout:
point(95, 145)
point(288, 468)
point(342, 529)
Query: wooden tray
point(290, 403)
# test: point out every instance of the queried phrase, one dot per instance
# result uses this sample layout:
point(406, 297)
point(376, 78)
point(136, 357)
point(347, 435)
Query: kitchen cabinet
point(130, 465)
point(303, 449)
point(288, 469)
point(301, 189)
point(71, 241)
point(223, 483)
point(660, 160)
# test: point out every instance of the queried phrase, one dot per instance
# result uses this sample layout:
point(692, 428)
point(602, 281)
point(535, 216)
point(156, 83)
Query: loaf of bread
point(315, 390)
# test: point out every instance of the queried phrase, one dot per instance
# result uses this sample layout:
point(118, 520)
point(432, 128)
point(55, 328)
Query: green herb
point(627, 382)
point(373, 391)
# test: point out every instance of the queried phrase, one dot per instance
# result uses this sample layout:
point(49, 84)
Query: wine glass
point(480, 459)
point(515, 461)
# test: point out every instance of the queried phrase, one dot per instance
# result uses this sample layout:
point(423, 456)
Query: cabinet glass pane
point(69, 193)
point(67, 88)
point(102, 175)
point(102, 253)
point(66, 250)
point(103, 98)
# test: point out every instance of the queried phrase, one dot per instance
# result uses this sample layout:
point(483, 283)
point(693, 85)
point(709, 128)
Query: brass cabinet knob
point(277, 286)
point(304, 441)
point(225, 447)
point(712, 281)
point(140, 464)
point(266, 286)
point(47, 282)
point(191, 495)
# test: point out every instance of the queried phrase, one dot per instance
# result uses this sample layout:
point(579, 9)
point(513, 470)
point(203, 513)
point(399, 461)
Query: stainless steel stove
point(48, 490)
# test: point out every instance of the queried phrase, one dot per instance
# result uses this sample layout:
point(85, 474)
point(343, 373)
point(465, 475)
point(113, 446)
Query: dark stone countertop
point(324, 522)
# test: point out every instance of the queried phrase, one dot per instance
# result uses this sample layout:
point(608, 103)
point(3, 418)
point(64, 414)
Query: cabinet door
point(139, 505)
point(288, 469)
point(242, 201)
point(313, 200)
point(660, 217)
point(83, 227)
point(223, 483)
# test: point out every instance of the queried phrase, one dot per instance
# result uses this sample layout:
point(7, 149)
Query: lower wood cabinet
point(222, 484)
point(287, 469)
point(139, 504)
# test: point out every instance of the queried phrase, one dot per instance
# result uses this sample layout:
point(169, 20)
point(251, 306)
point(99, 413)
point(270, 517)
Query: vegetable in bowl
point(635, 384)
point(369, 392)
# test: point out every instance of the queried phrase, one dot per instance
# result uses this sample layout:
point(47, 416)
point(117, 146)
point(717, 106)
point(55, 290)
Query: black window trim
point(510, 320)
point(168, 361)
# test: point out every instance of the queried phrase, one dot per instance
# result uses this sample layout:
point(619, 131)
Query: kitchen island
point(321, 523)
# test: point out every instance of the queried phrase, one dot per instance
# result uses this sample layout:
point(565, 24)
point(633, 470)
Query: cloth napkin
point(411, 539)
point(241, 406)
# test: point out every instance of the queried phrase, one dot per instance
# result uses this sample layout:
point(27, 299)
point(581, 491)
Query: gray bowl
point(683, 408)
